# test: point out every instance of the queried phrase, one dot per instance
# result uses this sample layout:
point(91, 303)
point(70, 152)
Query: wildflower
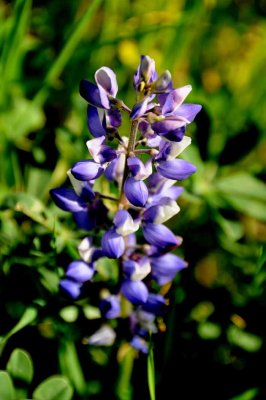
point(143, 170)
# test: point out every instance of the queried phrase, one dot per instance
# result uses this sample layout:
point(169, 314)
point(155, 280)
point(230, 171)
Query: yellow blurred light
point(128, 53)
point(238, 321)
point(211, 80)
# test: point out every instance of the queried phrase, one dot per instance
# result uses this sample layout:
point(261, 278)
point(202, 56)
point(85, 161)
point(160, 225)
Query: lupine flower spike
point(142, 170)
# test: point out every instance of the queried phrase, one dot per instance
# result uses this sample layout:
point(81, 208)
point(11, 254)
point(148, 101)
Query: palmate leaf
point(53, 388)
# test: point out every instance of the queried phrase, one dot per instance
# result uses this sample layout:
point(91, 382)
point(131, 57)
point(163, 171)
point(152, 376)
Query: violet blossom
point(131, 232)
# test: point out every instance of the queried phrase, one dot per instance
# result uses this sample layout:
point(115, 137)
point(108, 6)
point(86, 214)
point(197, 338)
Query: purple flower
point(71, 288)
point(102, 123)
point(177, 169)
point(135, 291)
point(107, 84)
point(155, 304)
point(100, 152)
point(139, 344)
point(124, 223)
point(170, 150)
point(104, 336)
point(87, 170)
point(80, 201)
point(106, 89)
point(160, 236)
point(174, 116)
point(145, 73)
point(165, 268)
point(113, 245)
point(68, 199)
point(162, 211)
point(136, 192)
point(110, 307)
point(138, 170)
point(80, 271)
point(137, 270)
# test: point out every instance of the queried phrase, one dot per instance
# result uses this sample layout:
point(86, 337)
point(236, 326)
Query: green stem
point(124, 387)
point(132, 137)
point(130, 149)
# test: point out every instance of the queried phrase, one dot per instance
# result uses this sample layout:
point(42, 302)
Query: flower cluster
point(142, 169)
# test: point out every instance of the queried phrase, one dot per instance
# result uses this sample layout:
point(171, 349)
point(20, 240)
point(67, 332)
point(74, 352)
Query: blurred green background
point(212, 343)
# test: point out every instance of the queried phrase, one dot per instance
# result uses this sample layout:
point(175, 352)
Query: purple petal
point(165, 268)
point(138, 170)
point(113, 118)
point(139, 344)
point(135, 291)
point(85, 219)
point(90, 93)
point(124, 223)
point(155, 304)
point(110, 307)
point(139, 109)
point(176, 135)
point(174, 192)
point(87, 195)
point(137, 270)
point(161, 212)
point(94, 122)
point(71, 288)
point(177, 169)
point(136, 192)
point(170, 150)
point(175, 98)
point(160, 236)
point(105, 336)
point(106, 79)
point(67, 199)
point(163, 83)
point(188, 111)
point(80, 271)
point(113, 245)
point(87, 170)
point(100, 152)
point(168, 125)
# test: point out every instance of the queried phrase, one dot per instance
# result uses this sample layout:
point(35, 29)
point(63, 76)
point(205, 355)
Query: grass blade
point(66, 52)
point(151, 373)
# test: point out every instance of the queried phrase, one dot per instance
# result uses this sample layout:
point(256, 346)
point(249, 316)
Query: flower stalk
point(133, 234)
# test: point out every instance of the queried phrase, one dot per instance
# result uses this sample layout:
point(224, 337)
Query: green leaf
point(244, 193)
point(249, 206)
point(247, 395)
point(107, 269)
point(7, 391)
point(246, 340)
point(242, 184)
point(69, 313)
point(70, 365)
point(27, 318)
point(13, 45)
point(53, 388)
point(209, 330)
point(20, 366)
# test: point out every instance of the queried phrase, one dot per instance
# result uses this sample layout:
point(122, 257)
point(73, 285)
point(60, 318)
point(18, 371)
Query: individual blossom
point(81, 201)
